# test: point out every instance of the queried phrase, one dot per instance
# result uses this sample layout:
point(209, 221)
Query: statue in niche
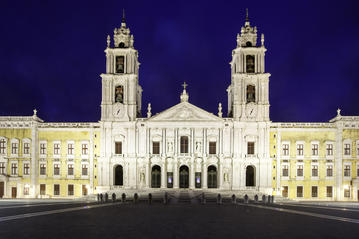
point(170, 147)
point(225, 176)
point(142, 176)
point(119, 94)
point(198, 147)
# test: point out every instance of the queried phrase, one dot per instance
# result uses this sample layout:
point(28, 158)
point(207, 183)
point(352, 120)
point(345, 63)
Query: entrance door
point(156, 177)
point(250, 182)
point(184, 177)
point(13, 192)
point(119, 175)
point(1, 189)
point(212, 177)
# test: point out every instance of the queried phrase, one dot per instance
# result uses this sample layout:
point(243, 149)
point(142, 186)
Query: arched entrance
point(156, 177)
point(118, 175)
point(250, 176)
point(184, 177)
point(212, 177)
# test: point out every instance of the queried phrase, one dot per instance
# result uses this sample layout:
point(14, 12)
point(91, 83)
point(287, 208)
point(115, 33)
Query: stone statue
point(198, 147)
point(170, 147)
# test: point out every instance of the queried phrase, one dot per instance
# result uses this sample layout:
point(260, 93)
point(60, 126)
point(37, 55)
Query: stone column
point(220, 174)
point(163, 175)
point(204, 174)
point(148, 173)
point(175, 174)
point(191, 175)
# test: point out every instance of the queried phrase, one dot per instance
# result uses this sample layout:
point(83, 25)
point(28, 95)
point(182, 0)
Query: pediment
point(185, 112)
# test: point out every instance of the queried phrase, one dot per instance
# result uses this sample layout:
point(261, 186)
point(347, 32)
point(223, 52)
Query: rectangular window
point(84, 169)
point(26, 191)
point(118, 147)
point(56, 149)
point(2, 146)
point(299, 191)
point(314, 170)
point(42, 169)
point(285, 171)
point(84, 149)
point(14, 148)
point(329, 149)
point(285, 149)
point(56, 169)
point(329, 170)
point(285, 191)
point(329, 191)
point(42, 189)
point(250, 148)
point(314, 191)
point(26, 169)
point(300, 149)
point(170, 180)
point(70, 189)
point(2, 168)
point(120, 64)
point(346, 149)
point(212, 147)
point(358, 173)
point(347, 171)
point(315, 149)
point(70, 149)
point(299, 170)
point(26, 148)
point(42, 148)
point(56, 189)
point(14, 169)
point(155, 147)
point(70, 169)
point(347, 193)
point(84, 190)
point(184, 145)
point(197, 178)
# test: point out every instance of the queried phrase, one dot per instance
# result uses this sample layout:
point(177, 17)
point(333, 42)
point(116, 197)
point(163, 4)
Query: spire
point(247, 17)
point(123, 15)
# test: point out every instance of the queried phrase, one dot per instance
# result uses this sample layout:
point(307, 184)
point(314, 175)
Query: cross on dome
point(184, 96)
point(184, 85)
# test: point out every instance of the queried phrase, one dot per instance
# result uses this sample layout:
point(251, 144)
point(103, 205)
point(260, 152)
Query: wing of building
point(183, 146)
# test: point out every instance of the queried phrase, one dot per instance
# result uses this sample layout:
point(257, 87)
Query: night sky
point(52, 55)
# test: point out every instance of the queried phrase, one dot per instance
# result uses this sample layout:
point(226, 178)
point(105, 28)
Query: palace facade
point(183, 146)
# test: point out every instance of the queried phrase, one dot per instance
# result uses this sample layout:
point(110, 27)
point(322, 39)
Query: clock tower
point(121, 92)
point(248, 94)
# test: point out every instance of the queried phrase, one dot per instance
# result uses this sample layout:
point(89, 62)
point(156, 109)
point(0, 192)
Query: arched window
point(156, 177)
point(183, 176)
point(184, 144)
point(212, 177)
point(248, 43)
point(250, 63)
point(250, 176)
point(251, 93)
point(119, 94)
point(118, 170)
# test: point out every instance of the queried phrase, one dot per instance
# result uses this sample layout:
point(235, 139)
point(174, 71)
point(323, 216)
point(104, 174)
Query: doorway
point(184, 177)
point(212, 177)
point(250, 181)
point(156, 177)
point(13, 192)
point(119, 175)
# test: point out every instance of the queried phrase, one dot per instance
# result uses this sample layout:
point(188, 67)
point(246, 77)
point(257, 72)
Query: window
point(14, 148)
point(14, 169)
point(155, 147)
point(299, 170)
point(56, 169)
point(2, 146)
point(329, 170)
point(285, 171)
point(250, 148)
point(347, 193)
point(26, 148)
point(250, 63)
point(329, 191)
point(42, 169)
point(56, 149)
point(285, 149)
point(120, 64)
point(285, 191)
point(118, 147)
point(26, 191)
point(329, 149)
point(84, 149)
point(314, 170)
point(314, 191)
point(70, 189)
point(315, 149)
point(70, 149)
point(2, 168)
point(300, 149)
point(212, 147)
point(358, 171)
point(84, 169)
point(299, 191)
point(251, 93)
point(26, 169)
point(346, 149)
point(42, 148)
point(56, 189)
point(184, 145)
point(70, 169)
point(346, 170)
point(357, 149)
point(42, 189)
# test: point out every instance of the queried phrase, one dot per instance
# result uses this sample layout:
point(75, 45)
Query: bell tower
point(121, 92)
point(248, 94)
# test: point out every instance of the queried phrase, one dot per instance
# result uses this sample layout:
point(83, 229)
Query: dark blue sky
point(51, 54)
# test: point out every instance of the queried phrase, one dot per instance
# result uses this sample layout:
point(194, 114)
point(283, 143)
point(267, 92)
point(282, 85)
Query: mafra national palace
point(183, 146)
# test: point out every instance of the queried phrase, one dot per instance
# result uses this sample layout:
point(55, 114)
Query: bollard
point(268, 199)
point(165, 198)
point(123, 197)
point(233, 199)
point(272, 199)
point(256, 198)
point(135, 198)
point(101, 197)
point(106, 197)
point(246, 198)
point(219, 199)
point(149, 198)
point(264, 199)
point(203, 199)
point(98, 197)
point(113, 197)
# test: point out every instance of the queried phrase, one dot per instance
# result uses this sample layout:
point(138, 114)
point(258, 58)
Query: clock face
point(251, 111)
point(117, 109)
